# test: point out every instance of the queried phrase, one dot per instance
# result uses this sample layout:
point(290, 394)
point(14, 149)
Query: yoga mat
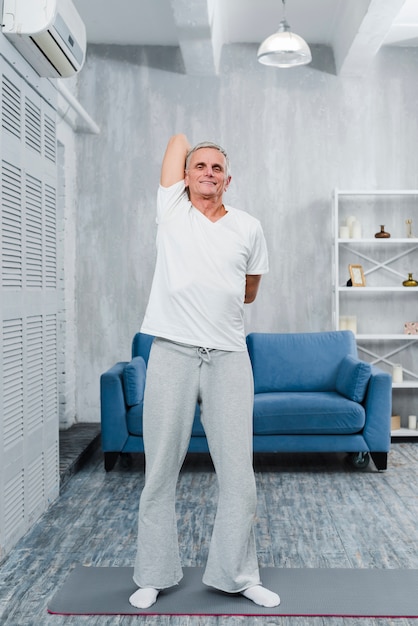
point(303, 592)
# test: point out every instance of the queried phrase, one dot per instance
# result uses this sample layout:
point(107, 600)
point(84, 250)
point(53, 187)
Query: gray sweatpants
point(177, 377)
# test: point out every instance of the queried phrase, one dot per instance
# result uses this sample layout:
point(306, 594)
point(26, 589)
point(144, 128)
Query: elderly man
point(210, 258)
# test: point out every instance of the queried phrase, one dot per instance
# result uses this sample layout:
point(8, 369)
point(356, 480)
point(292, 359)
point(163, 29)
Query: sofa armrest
point(113, 409)
point(378, 406)
point(134, 375)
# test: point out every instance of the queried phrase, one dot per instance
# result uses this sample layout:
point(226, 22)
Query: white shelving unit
point(383, 305)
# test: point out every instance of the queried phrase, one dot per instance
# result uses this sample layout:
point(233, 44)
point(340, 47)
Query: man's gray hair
point(210, 144)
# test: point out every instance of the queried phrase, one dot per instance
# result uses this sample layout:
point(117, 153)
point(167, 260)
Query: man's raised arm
point(172, 169)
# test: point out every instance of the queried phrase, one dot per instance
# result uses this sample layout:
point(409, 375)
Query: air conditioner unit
point(49, 34)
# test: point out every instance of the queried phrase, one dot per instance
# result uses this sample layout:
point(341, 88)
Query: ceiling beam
point(361, 30)
point(199, 38)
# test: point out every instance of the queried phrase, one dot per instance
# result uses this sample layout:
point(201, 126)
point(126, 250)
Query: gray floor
point(313, 511)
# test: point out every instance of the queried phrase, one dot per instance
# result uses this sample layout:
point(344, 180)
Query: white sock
point(261, 596)
point(144, 597)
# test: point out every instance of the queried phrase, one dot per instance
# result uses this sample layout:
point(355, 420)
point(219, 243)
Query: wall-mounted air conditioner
point(50, 34)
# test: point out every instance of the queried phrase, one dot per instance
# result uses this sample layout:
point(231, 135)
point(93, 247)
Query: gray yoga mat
point(321, 592)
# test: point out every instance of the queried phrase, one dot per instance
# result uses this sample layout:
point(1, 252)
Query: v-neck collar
point(207, 218)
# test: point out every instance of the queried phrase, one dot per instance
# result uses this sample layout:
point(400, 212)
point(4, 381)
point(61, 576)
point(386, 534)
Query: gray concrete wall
point(292, 135)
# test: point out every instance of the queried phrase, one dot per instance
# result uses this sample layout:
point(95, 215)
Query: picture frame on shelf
point(411, 328)
point(357, 275)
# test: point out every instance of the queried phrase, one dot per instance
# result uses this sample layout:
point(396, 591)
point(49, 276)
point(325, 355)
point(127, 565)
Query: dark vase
point(382, 234)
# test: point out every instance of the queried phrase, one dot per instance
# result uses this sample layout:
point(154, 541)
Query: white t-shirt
point(198, 289)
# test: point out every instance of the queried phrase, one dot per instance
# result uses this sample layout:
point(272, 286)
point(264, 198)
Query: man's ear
point(227, 181)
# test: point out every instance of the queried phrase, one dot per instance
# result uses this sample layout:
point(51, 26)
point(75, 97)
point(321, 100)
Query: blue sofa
point(312, 394)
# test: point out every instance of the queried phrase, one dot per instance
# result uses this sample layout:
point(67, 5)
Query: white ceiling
point(353, 28)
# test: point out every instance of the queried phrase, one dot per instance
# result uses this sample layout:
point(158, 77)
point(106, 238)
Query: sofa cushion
point(197, 430)
point(306, 413)
point(133, 381)
point(352, 378)
point(298, 361)
point(141, 345)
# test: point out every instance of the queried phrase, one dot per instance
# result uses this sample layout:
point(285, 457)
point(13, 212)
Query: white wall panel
point(12, 397)
point(29, 477)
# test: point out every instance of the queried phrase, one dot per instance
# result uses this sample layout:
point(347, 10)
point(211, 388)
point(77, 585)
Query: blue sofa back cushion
point(352, 378)
point(133, 377)
point(298, 361)
point(141, 346)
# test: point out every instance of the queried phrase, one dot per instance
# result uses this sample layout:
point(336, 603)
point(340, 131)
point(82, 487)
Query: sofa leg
point(126, 460)
point(110, 459)
point(380, 459)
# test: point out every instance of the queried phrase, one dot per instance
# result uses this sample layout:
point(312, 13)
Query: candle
point(356, 230)
point(350, 219)
point(397, 374)
point(352, 323)
point(342, 323)
point(412, 422)
point(344, 232)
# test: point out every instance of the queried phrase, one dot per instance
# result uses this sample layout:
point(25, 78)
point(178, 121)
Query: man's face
point(206, 176)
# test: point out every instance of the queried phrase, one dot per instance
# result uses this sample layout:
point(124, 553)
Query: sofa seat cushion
point(134, 421)
point(306, 413)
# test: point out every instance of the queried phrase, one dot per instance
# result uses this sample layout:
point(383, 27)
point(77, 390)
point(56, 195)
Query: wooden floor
point(313, 511)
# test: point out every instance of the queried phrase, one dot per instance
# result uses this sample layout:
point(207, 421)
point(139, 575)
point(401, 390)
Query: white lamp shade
point(284, 49)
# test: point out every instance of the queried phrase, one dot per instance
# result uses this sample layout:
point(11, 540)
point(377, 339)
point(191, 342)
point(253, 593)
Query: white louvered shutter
point(29, 477)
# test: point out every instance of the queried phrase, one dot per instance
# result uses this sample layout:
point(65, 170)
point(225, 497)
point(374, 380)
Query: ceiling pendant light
point(284, 48)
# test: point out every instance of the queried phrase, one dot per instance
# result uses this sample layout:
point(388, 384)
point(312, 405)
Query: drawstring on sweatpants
point(204, 354)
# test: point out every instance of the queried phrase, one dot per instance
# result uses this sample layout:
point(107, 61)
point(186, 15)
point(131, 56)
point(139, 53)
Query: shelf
point(389, 337)
point(387, 261)
point(381, 289)
point(406, 384)
point(404, 432)
point(376, 192)
point(379, 241)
